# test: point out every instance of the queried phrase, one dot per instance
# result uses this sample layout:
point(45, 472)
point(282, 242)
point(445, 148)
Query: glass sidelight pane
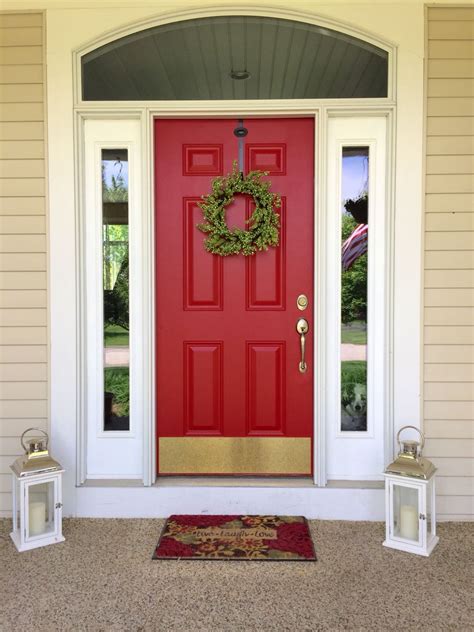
point(116, 289)
point(354, 268)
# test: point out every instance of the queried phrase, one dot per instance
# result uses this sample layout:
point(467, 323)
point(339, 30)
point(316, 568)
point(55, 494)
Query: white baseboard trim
point(160, 502)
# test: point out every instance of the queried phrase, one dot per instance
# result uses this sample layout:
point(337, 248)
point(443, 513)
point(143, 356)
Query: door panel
point(202, 279)
point(266, 276)
point(230, 396)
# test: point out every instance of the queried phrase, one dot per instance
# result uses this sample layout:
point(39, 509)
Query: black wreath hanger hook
point(241, 132)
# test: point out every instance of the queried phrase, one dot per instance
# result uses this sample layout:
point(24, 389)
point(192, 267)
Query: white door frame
point(111, 454)
point(359, 455)
point(322, 112)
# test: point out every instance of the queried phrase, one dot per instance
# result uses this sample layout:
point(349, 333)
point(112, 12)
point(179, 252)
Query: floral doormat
point(270, 538)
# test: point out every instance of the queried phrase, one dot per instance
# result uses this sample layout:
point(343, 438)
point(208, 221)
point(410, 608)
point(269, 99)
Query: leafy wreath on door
point(263, 224)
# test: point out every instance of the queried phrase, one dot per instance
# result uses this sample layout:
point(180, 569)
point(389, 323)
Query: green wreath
point(263, 223)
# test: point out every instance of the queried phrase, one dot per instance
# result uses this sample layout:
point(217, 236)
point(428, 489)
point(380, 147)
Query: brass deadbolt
point(302, 302)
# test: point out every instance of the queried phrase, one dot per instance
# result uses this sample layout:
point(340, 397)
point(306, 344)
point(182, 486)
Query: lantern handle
point(422, 436)
point(28, 430)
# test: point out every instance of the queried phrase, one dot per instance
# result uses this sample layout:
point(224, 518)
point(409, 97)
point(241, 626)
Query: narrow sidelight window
point(115, 247)
point(354, 268)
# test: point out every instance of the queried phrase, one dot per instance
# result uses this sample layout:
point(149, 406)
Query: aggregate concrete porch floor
point(103, 578)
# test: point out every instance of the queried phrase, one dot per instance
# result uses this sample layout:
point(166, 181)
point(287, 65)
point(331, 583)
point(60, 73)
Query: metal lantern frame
point(36, 473)
point(411, 476)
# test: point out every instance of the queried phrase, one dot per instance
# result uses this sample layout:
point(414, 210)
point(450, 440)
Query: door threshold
point(112, 482)
point(353, 484)
point(233, 481)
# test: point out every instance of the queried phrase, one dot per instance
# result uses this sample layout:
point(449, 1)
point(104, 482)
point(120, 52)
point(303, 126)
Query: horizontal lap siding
point(449, 258)
point(23, 273)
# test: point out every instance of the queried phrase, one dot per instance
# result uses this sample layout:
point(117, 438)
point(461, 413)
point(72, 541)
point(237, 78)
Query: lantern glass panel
point(40, 499)
point(430, 519)
point(405, 513)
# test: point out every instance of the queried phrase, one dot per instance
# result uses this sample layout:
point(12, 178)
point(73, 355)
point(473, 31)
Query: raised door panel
point(203, 387)
point(266, 388)
point(266, 273)
point(202, 160)
point(202, 276)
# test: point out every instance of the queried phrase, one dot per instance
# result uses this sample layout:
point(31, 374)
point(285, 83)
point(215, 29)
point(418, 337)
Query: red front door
point(230, 396)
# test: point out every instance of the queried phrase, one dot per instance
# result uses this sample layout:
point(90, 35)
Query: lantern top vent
point(409, 461)
point(36, 459)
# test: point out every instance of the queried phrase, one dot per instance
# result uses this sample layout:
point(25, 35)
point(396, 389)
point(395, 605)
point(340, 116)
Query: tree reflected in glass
point(116, 289)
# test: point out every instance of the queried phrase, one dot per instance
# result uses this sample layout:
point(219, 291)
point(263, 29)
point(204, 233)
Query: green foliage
point(352, 372)
point(116, 301)
point(348, 225)
point(354, 333)
point(115, 242)
point(117, 381)
point(263, 224)
point(353, 281)
point(115, 336)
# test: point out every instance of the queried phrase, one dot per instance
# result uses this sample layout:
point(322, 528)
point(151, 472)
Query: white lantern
point(410, 499)
point(37, 500)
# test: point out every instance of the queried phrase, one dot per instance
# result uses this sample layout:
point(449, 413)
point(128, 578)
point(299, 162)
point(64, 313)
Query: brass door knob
point(302, 328)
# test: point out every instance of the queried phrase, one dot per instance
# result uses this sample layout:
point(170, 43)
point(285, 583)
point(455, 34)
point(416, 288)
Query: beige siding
point(449, 257)
point(23, 274)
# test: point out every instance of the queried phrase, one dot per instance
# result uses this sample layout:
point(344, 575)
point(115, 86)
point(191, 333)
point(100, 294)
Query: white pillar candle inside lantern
point(406, 512)
point(410, 500)
point(37, 503)
point(409, 522)
point(37, 517)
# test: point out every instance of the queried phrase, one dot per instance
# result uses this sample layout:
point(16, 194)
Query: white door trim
point(145, 391)
point(245, 10)
point(358, 455)
point(111, 452)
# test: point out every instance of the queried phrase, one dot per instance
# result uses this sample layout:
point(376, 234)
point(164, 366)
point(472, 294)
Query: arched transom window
point(235, 57)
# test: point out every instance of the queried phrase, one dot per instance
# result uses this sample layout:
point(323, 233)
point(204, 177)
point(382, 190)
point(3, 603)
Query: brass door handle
point(302, 328)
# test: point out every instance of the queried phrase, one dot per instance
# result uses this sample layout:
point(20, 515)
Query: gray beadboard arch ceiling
point(209, 58)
